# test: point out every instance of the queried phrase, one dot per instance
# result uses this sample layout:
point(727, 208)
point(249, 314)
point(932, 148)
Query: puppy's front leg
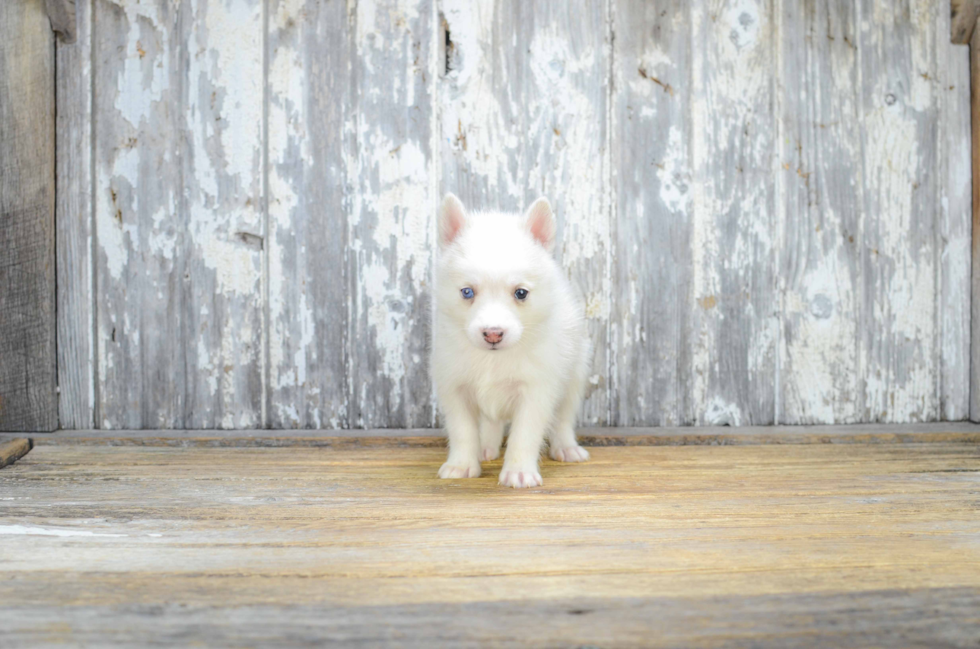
point(524, 444)
point(464, 438)
point(491, 437)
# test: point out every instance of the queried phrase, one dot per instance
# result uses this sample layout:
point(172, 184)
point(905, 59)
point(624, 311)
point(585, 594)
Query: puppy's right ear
point(452, 220)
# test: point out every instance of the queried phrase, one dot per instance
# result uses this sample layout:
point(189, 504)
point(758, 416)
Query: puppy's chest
point(497, 393)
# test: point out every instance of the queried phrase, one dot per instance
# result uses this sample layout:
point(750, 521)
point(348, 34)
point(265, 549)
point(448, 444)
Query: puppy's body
point(509, 343)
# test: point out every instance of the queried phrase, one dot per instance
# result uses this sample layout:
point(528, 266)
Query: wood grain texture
point(28, 376)
point(391, 226)
point(482, 137)
point(179, 218)
point(651, 338)
point(963, 19)
point(887, 618)
point(955, 227)
point(819, 175)
point(901, 141)
point(566, 78)
point(767, 545)
point(735, 324)
point(975, 280)
point(651, 342)
point(13, 450)
point(310, 144)
point(74, 228)
point(137, 111)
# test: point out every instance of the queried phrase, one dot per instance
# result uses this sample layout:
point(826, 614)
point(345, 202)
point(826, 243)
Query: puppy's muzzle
point(493, 335)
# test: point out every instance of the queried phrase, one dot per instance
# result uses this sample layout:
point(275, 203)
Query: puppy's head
point(495, 272)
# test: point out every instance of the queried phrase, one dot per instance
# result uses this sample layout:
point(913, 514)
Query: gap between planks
point(957, 432)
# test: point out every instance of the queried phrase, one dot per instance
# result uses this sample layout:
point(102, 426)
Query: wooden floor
point(860, 544)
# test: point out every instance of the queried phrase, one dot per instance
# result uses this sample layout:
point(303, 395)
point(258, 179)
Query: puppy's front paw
point(569, 454)
point(520, 478)
point(452, 469)
point(489, 454)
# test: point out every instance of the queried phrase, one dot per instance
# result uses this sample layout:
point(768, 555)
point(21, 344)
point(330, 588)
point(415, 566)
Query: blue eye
point(521, 294)
point(467, 293)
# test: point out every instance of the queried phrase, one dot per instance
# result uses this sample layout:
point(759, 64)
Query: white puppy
point(509, 342)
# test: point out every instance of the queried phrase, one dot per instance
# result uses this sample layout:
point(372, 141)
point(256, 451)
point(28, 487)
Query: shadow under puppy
point(509, 342)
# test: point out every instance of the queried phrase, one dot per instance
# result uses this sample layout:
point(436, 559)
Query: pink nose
point(493, 335)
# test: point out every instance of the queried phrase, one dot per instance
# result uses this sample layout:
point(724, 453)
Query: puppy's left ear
point(540, 223)
point(452, 220)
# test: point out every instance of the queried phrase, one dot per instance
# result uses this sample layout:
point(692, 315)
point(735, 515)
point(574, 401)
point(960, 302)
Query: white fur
point(535, 375)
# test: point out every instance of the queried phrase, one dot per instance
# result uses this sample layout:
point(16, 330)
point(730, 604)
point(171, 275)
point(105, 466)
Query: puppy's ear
point(540, 222)
point(452, 220)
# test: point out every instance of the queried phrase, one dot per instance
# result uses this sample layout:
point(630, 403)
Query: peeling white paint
point(955, 260)
point(285, 202)
point(721, 413)
point(823, 344)
point(570, 165)
point(390, 225)
point(504, 138)
point(236, 266)
point(673, 174)
point(904, 300)
point(378, 20)
point(474, 123)
point(163, 234)
point(116, 212)
point(233, 64)
point(142, 81)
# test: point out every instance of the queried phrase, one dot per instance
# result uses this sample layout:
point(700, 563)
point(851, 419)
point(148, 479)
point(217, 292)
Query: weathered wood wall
point(28, 397)
point(966, 18)
point(765, 203)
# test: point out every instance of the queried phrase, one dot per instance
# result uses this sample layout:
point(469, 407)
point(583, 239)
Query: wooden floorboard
point(861, 544)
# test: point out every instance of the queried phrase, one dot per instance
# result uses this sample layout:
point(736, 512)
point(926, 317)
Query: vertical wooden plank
point(179, 216)
point(564, 97)
point(735, 319)
point(819, 173)
point(73, 219)
point(392, 213)
point(975, 278)
point(526, 120)
point(224, 195)
point(954, 84)
point(652, 194)
point(963, 18)
point(28, 379)
point(900, 135)
point(137, 109)
point(482, 118)
point(309, 52)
